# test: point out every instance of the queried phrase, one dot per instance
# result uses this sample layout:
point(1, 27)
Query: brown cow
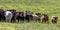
point(54, 19)
point(45, 18)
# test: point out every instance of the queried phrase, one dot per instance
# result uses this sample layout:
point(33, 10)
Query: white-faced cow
point(14, 15)
point(54, 19)
point(8, 16)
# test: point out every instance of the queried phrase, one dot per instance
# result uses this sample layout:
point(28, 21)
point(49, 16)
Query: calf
point(54, 19)
point(45, 18)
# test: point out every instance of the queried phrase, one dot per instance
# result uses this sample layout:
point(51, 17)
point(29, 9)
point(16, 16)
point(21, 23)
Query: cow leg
point(42, 20)
point(23, 19)
point(39, 20)
point(0, 18)
point(7, 19)
point(3, 18)
point(18, 20)
point(54, 21)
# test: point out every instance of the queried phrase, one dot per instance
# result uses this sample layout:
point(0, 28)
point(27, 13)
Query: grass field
point(51, 7)
point(28, 26)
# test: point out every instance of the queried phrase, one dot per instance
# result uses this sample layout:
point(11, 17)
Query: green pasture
point(50, 7)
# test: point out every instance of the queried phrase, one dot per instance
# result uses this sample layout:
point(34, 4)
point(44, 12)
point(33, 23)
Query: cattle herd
point(13, 15)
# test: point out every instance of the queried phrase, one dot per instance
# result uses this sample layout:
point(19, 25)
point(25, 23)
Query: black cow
point(2, 13)
point(19, 16)
point(29, 15)
point(24, 16)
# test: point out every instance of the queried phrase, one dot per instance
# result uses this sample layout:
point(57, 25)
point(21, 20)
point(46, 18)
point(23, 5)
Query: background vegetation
point(51, 7)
